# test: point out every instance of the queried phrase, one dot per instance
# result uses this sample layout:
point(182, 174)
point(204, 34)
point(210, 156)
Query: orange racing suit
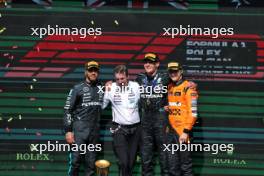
point(182, 106)
point(182, 115)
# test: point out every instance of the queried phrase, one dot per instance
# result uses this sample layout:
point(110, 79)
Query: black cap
point(151, 57)
point(174, 66)
point(92, 64)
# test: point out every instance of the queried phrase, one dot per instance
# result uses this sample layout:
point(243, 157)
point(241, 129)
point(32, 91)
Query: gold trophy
point(102, 167)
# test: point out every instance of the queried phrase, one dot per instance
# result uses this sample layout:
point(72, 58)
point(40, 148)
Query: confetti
point(7, 129)
point(25, 129)
point(31, 87)
point(0, 15)
point(38, 134)
point(11, 57)
point(116, 22)
point(10, 119)
point(19, 117)
point(35, 80)
point(2, 30)
point(95, 37)
point(6, 54)
point(38, 49)
point(92, 22)
point(1, 118)
point(1, 90)
point(7, 65)
point(40, 109)
point(14, 47)
point(32, 99)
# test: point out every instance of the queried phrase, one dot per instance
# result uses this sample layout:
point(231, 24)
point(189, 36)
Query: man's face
point(92, 74)
point(151, 67)
point(175, 75)
point(121, 79)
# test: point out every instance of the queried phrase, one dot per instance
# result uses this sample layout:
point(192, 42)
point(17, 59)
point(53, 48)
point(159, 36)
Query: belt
point(153, 110)
point(127, 126)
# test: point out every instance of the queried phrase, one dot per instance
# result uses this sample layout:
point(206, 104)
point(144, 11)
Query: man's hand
point(183, 138)
point(108, 85)
point(69, 136)
point(166, 108)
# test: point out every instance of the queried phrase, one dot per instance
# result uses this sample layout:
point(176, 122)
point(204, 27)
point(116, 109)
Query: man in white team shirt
point(124, 96)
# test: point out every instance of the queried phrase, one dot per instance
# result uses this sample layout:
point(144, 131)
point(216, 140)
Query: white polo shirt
point(124, 103)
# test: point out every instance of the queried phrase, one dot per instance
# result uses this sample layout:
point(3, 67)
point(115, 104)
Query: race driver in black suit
point(81, 119)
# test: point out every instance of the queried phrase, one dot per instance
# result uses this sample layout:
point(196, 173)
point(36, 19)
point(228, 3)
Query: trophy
point(102, 167)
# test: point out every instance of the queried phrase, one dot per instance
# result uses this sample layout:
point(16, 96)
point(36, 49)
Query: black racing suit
point(154, 121)
point(81, 116)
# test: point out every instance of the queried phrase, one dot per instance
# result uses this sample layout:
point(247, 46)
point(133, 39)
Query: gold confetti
point(92, 22)
point(116, 22)
point(35, 80)
point(31, 87)
point(2, 30)
point(10, 119)
point(19, 117)
point(40, 109)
